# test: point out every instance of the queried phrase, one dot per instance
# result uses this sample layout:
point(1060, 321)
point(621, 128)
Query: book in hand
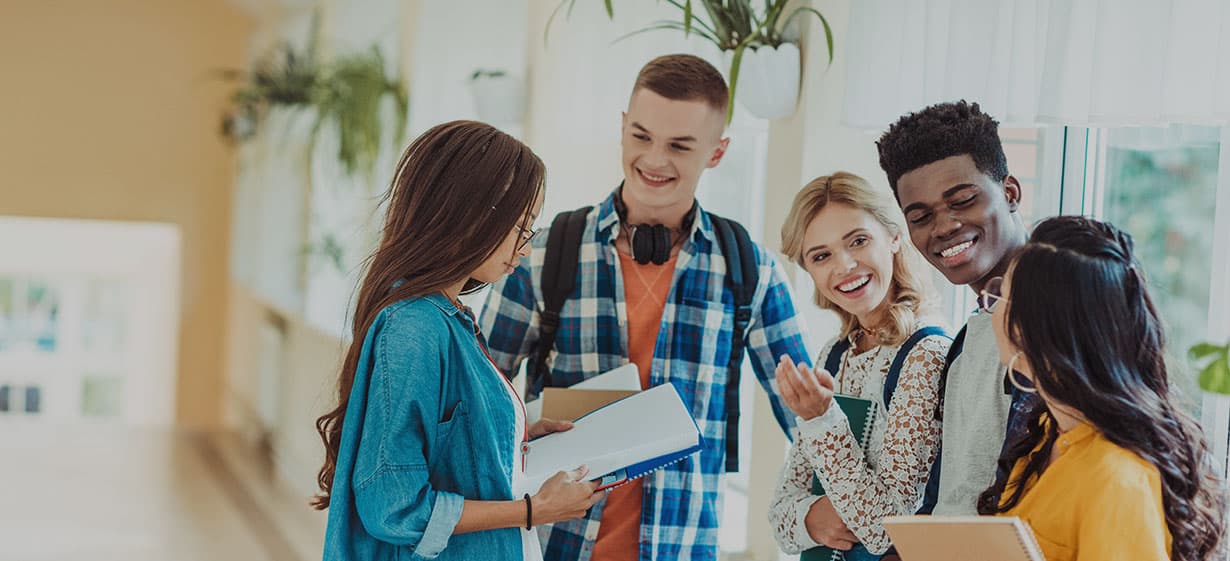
point(861, 414)
point(573, 402)
point(963, 538)
point(620, 441)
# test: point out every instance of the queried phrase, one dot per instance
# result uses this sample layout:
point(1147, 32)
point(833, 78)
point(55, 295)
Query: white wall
point(449, 43)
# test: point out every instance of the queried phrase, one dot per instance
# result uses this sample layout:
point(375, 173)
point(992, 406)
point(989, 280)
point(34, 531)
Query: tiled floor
point(106, 493)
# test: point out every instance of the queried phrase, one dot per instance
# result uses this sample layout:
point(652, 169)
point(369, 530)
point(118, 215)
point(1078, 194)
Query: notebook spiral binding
point(1029, 543)
point(631, 479)
point(864, 439)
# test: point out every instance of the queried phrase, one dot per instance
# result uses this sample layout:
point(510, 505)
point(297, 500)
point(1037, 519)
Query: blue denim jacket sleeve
point(394, 497)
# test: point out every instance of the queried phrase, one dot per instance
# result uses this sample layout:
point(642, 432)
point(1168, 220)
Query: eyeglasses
point(527, 236)
point(990, 294)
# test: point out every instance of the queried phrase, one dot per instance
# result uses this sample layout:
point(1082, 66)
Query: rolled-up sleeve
point(393, 493)
point(399, 506)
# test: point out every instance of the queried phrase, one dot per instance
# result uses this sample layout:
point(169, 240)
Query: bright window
point(1162, 185)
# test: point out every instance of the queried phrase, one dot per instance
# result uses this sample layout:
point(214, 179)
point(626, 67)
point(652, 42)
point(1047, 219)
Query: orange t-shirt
point(646, 288)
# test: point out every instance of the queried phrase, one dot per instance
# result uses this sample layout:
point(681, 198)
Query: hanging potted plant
point(499, 98)
point(293, 90)
point(346, 92)
point(756, 43)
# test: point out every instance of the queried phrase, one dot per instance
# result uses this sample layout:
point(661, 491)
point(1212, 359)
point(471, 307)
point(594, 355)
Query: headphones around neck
point(650, 242)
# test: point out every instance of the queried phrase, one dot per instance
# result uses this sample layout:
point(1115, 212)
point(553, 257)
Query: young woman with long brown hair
point(423, 448)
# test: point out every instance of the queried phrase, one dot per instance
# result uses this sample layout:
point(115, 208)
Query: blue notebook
point(861, 413)
point(620, 441)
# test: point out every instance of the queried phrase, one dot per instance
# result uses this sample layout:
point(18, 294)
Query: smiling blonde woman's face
point(849, 255)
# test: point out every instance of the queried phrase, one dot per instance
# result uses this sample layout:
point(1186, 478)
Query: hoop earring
point(1011, 374)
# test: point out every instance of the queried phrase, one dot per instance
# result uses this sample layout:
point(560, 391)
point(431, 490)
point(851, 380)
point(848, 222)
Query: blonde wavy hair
point(912, 292)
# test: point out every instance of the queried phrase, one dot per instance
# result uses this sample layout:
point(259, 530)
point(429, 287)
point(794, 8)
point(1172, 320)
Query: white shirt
point(530, 548)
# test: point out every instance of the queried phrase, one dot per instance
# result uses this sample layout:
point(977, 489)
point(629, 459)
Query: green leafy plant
point(1213, 361)
point(347, 92)
point(281, 78)
point(350, 95)
point(731, 25)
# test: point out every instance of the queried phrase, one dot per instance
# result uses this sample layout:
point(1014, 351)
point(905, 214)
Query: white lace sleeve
point(862, 497)
point(791, 502)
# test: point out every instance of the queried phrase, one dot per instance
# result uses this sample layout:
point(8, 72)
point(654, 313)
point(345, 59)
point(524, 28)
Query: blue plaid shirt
point(679, 517)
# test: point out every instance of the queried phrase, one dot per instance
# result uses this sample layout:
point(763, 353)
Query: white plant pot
point(499, 100)
point(769, 81)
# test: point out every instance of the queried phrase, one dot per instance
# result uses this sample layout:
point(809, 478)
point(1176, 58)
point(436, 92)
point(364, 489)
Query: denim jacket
point(429, 424)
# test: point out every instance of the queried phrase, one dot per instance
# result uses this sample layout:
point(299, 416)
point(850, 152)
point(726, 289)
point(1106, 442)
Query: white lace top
point(889, 479)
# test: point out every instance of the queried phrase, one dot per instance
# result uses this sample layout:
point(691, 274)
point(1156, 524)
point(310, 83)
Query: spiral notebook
point(963, 538)
point(620, 441)
point(861, 414)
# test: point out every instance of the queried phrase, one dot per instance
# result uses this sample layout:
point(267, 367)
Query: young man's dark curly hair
point(942, 131)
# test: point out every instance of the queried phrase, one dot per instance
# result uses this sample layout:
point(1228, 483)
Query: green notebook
point(861, 413)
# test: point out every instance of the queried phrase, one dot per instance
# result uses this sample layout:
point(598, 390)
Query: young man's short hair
point(942, 131)
point(684, 78)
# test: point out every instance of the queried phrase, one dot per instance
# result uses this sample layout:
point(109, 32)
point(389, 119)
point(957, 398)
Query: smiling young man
point(651, 288)
point(947, 168)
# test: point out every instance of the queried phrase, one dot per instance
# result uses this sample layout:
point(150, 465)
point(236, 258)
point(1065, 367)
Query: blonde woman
point(847, 236)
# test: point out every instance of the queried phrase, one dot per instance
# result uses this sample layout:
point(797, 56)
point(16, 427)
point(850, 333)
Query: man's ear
point(718, 152)
point(1012, 190)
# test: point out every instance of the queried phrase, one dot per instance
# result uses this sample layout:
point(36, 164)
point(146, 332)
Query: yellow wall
point(108, 111)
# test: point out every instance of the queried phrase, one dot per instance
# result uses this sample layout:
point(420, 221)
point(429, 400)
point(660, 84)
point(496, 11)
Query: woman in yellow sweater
point(1112, 467)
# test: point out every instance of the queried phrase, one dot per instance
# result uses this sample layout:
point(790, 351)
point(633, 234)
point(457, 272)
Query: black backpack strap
point(832, 363)
point(958, 343)
point(894, 371)
point(559, 278)
point(743, 275)
point(931, 494)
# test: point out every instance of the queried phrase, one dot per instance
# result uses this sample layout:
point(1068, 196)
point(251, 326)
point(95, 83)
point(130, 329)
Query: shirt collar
point(1082, 432)
point(448, 307)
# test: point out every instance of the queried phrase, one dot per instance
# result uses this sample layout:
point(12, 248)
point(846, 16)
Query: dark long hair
point(458, 191)
point(1081, 315)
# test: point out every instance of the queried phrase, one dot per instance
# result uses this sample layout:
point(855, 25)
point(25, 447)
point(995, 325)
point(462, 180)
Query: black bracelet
point(529, 512)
